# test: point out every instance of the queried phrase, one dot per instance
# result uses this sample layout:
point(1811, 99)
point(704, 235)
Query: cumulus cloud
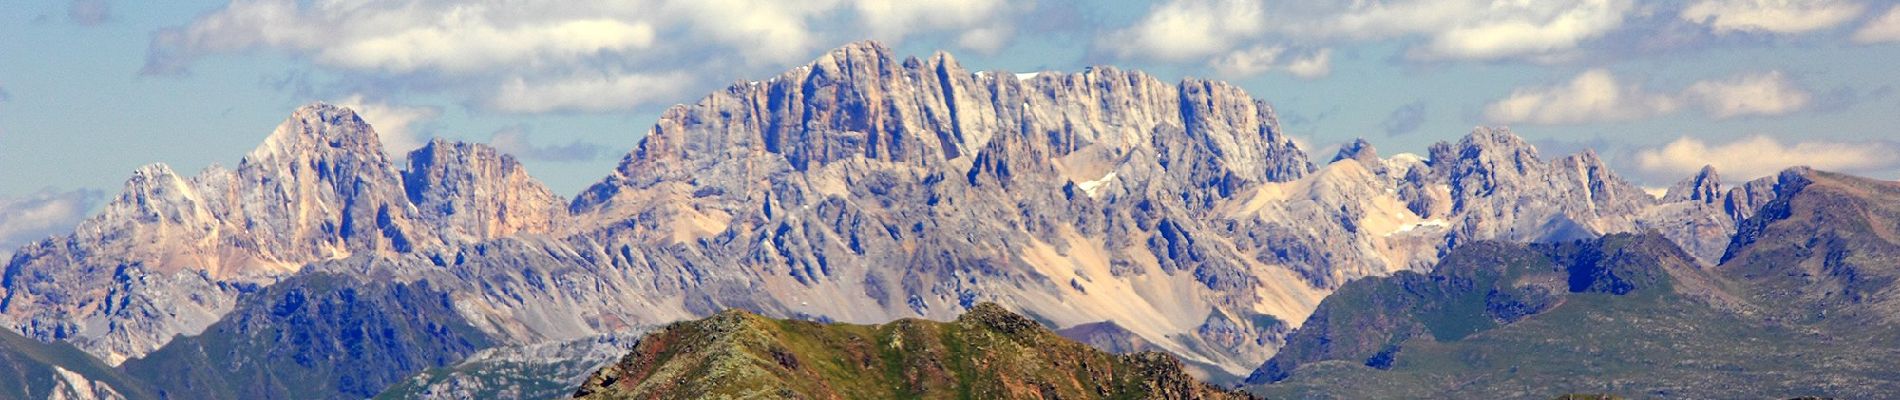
point(1188, 30)
point(1257, 60)
point(1597, 96)
point(1769, 93)
point(461, 38)
point(1312, 66)
point(40, 214)
point(514, 140)
point(1760, 155)
point(589, 92)
point(1592, 96)
point(1233, 35)
point(495, 52)
point(764, 31)
point(1462, 29)
point(463, 43)
point(1770, 16)
point(397, 125)
point(893, 20)
point(1248, 62)
point(89, 12)
point(1885, 29)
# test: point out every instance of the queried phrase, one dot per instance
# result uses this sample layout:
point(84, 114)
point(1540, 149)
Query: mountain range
point(1120, 210)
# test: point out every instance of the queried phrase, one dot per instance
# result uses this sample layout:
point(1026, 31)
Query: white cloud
point(1257, 60)
point(463, 43)
point(1248, 62)
point(763, 31)
point(1188, 30)
point(1597, 96)
point(396, 125)
point(1769, 93)
point(1592, 96)
point(1520, 28)
point(892, 20)
point(474, 48)
point(1313, 66)
point(589, 92)
point(1227, 33)
point(1771, 16)
point(44, 213)
point(1761, 155)
point(1461, 29)
point(404, 36)
point(1885, 29)
point(514, 140)
point(986, 39)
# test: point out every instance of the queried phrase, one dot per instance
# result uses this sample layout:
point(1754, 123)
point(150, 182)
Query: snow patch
point(1027, 76)
point(1656, 192)
point(1436, 223)
point(1091, 187)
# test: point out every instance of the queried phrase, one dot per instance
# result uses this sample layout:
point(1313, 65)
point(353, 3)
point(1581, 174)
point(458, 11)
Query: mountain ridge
point(1805, 292)
point(858, 188)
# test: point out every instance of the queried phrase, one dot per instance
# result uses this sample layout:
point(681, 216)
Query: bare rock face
point(1691, 214)
point(863, 188)
point(469, 192)
point(169, 255)
point(1501, 189)
point(1705, 187)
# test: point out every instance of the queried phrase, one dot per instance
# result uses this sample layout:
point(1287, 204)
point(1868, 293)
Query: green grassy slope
point(988, 353)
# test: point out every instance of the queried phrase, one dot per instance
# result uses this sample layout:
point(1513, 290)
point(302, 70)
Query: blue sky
point(91, 89)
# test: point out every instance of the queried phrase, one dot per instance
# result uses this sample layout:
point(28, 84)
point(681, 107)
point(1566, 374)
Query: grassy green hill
point(988, 353)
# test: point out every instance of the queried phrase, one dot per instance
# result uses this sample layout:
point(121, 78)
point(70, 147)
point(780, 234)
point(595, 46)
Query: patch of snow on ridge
point(1091, 187)
point(1434, 223)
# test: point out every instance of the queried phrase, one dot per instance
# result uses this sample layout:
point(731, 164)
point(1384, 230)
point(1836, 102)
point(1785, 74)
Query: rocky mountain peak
point(1745, 200)
point(1498, 147)
point(471, 192)
point(319, 129)
point(1358, 149)
point(1705, 187)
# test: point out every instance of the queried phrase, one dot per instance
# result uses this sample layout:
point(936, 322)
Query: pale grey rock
point(1692, 215)
point(75, 386)
point(170, 254)
point(468, 192)
point(1361, 151)
point(1705, 187)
